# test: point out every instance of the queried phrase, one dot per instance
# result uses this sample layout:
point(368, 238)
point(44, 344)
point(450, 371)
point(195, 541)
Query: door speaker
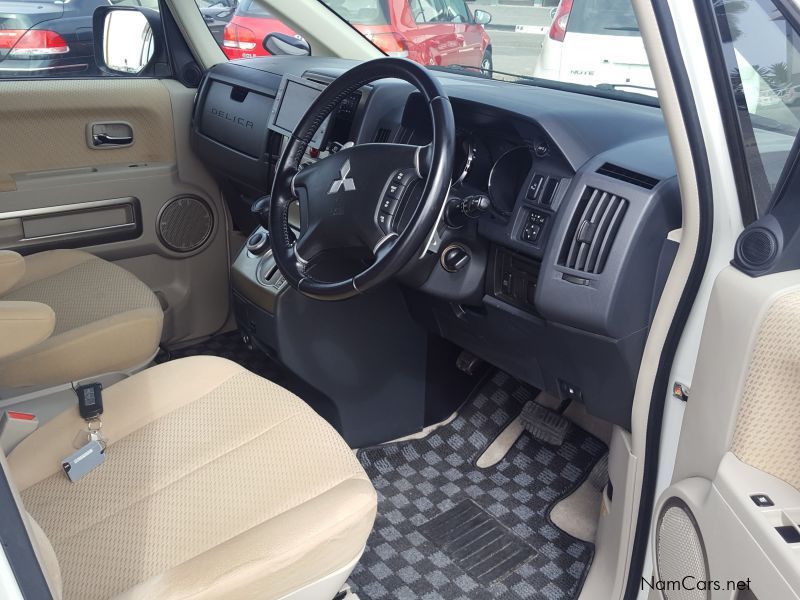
point(185, 223)
point(680, 551)
point(757, 247)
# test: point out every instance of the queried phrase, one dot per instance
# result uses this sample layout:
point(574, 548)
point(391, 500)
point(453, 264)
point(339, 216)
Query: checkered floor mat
point(230, 346)
point(419, 480)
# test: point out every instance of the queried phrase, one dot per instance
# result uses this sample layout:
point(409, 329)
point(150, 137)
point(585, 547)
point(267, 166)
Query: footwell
point(448, 530)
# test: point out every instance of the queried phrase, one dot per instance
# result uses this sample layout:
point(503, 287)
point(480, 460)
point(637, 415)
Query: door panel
point(58, 191)
point(741, 438)
point(44, 124)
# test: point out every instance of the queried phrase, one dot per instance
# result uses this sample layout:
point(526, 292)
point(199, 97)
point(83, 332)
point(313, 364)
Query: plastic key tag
point(83, 460)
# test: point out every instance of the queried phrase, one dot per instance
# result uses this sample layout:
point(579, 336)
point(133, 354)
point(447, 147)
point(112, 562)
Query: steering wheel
point(353, 197)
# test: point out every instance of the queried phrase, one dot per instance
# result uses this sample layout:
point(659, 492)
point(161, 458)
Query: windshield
point(590, 45)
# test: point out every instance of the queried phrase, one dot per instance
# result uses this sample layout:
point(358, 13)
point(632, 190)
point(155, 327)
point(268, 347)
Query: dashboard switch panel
point(534, 226)
point(514, 278)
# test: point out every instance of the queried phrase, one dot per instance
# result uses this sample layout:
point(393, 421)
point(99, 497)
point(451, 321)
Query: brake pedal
point(543, 424)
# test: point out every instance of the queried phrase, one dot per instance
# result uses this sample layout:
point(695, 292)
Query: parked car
point(596, 42)
point(430, 32)
point(217, 14)
point(245, 32)
point(41, 38)
point(45, 39)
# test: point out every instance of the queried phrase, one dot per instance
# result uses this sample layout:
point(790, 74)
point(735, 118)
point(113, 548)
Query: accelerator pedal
point(544, 424)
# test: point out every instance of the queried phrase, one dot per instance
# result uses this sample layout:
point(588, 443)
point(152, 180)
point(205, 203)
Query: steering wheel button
point(389, 205)
point(394, 190)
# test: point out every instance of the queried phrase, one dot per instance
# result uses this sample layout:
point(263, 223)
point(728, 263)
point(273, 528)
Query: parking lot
point(517, 32)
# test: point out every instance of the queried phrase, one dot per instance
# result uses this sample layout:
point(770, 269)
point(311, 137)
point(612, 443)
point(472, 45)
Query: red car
point(431, 32)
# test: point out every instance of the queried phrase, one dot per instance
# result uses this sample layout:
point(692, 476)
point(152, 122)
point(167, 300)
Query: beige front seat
point(217, 484)
point(105, 318)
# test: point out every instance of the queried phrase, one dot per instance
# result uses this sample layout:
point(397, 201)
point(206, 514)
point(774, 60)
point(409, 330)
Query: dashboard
point(552, 248)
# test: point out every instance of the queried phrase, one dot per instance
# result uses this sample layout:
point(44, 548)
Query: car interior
point(343, 326)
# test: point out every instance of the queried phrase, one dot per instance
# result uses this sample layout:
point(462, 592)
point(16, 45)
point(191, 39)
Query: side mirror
point(127, 41)
point(482, 17)
point(281, 44)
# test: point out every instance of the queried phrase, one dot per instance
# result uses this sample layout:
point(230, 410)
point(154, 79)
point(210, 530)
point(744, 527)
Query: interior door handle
point(103, 139)
point(109, 135)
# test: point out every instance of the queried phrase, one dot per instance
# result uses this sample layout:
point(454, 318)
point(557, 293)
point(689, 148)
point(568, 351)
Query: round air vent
point(757, 247)
point(680, 551)
point(185, 223)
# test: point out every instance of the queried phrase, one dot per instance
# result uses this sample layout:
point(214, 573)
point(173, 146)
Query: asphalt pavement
point(517, 31)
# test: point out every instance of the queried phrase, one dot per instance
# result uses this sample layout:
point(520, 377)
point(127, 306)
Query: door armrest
point(24, 325)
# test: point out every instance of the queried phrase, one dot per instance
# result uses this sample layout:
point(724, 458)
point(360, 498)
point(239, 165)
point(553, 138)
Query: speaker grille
point(757, 247)
point(185, 223)
point(680, 551)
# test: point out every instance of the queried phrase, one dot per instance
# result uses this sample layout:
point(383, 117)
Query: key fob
point(90, 400)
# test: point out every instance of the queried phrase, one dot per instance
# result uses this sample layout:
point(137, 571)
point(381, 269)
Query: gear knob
point(260, 208)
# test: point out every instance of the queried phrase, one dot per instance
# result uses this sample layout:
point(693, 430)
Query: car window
point(603, 17)
point(54, 38)
point(252, 9)
point(455, 11)
point(424, 11)
point(763, 59)
point(516, 41)
point(372, 12)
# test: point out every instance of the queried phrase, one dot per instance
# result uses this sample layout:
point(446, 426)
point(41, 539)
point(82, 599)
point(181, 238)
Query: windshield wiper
point(622, 28)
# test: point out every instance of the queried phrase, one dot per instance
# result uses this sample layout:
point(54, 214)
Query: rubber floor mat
point(410, 555)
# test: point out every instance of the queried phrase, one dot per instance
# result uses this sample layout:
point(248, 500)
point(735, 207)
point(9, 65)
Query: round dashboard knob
point(454, 258)
point(258, 242)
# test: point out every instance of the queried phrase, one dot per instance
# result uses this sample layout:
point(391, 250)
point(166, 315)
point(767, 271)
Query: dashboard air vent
point(382, 135)
point(628, 176)
point(591, 234)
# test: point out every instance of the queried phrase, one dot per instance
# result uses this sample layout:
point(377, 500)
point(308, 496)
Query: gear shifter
point(260, 208)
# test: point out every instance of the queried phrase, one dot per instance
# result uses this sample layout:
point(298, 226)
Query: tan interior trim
point(12, 268)
point(41, 545)
point(31, 461)
point(283, 551)
point(29, 111)
point(24, 325)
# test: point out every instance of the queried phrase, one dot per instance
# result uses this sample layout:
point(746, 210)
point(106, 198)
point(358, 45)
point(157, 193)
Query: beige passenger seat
point(217, 483)
point(104, 319)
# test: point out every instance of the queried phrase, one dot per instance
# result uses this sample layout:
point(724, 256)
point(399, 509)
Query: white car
point(596, 42)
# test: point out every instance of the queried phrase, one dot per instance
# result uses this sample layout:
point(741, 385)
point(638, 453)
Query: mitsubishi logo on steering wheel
point(344, 181)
